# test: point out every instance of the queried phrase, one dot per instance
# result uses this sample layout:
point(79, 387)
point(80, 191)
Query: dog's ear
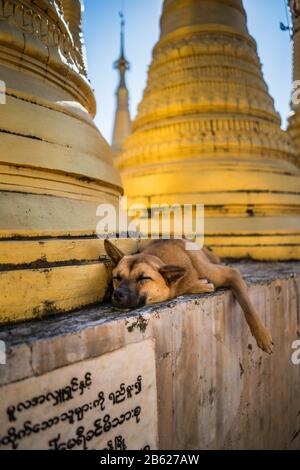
point(115, 255)
point(171, 273)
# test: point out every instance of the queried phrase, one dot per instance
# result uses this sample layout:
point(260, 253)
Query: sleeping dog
point(166, 269)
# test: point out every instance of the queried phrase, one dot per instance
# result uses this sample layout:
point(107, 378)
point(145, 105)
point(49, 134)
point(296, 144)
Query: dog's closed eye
point(143, 278)
point(118, 277)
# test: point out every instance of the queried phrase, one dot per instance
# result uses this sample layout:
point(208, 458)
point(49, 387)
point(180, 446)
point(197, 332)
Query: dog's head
point(140, 279)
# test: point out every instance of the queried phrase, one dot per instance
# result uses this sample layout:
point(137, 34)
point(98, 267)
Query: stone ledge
point(91, 317)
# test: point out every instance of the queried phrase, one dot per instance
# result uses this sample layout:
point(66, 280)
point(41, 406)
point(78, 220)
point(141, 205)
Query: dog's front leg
point(224, 276)
point(201, 286)
point(233, 279)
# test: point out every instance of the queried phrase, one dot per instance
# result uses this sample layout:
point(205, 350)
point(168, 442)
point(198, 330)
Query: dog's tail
point(211, 255)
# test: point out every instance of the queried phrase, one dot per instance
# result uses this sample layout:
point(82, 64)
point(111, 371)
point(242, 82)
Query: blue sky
point(101, 28)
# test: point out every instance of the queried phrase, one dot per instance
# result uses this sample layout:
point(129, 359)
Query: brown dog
point(167, 269)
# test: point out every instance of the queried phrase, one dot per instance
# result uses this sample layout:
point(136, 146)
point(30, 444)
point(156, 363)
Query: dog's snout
point(120, 295)
point(126, 298)
point(122, 298)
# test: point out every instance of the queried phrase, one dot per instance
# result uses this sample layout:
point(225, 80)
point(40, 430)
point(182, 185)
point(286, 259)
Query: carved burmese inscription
point(105, 403)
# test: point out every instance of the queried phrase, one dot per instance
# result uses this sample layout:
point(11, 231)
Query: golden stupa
point(55, 167)
point(207, 132)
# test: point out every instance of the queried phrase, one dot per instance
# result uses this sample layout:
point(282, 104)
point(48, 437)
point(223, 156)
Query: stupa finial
point(122, 63)
point(122, 125)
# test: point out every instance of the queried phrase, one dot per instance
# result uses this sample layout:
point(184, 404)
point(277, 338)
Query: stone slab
point(105, 403)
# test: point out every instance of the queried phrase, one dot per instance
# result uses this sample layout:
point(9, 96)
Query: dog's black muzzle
point(127, 299)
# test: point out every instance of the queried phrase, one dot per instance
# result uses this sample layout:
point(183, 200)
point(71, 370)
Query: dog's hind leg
point(223, 276)
point(213, 258)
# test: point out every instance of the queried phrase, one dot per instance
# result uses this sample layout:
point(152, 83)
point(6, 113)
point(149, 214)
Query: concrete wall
point(215, 388)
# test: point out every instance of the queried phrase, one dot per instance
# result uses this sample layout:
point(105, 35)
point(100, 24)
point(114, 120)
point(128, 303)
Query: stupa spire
point(207, 132)
point(122, 124)
point(294, 121)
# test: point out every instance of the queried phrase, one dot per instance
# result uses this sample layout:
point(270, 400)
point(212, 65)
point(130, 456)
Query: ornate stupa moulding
point(55, 169)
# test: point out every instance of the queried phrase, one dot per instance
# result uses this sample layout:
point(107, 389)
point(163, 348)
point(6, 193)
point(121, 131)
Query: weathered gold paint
point(57, 251)
point(207, 132)
point(43, 277)
point(34, 293)
point(55, 167)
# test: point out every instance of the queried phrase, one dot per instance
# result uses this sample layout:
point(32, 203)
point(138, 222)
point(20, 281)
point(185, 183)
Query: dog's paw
point(206, 286)
point(264, 340)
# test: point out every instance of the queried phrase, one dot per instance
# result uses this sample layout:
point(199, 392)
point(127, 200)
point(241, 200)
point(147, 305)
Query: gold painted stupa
point(55, 167)
point(207, 132)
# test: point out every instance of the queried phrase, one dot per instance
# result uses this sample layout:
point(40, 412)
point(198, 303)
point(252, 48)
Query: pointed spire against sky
point(122, 33)
point(122, 64)
point(122, 125)
point(294, 119)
